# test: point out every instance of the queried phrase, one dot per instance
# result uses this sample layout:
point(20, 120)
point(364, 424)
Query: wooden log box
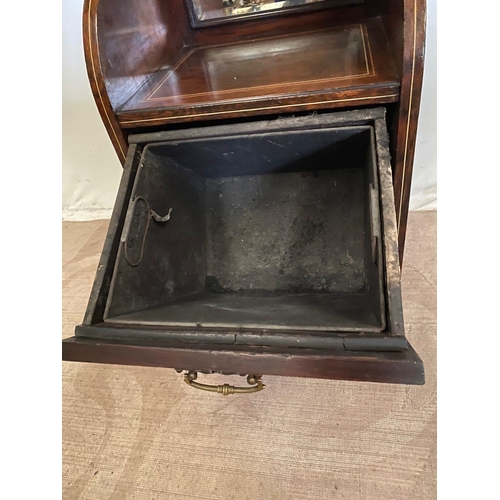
point(260, 222)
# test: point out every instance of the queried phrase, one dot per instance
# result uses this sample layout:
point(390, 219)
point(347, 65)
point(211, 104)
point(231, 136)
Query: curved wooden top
point(149, 68)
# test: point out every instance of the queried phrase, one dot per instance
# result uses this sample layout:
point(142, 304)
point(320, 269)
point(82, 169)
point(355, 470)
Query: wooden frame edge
point(409, 104)
point(94, 72)
point(382, 367)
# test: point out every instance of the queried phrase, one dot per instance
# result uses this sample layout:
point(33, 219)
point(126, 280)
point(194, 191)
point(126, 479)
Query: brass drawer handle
point(225, 389)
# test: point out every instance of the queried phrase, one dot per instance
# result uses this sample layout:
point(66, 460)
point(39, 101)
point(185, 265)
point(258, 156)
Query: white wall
point(424, 181)
point(91, 170)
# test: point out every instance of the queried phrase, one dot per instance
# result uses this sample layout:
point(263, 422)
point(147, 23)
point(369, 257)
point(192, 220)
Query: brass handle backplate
point(225, 389)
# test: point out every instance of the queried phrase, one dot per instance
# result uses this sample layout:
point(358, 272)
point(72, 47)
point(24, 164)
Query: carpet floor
point(141, 433)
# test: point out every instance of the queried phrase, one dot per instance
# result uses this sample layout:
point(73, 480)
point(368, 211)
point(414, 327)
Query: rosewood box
point(264, 247)
point(267, 151)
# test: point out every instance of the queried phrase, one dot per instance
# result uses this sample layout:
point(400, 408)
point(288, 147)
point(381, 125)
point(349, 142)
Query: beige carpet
point(141, 433)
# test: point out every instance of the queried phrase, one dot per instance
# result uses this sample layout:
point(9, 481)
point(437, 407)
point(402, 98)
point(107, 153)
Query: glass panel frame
point(212, 12)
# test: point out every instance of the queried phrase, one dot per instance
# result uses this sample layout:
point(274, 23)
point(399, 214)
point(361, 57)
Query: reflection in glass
point(206, 10)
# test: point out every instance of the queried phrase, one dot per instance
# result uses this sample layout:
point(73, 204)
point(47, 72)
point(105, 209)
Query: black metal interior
point(267, 231)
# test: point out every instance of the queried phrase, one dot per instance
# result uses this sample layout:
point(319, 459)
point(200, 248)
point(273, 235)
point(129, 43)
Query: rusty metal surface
point(173, 252)
point(300, 232)
point(272, 215)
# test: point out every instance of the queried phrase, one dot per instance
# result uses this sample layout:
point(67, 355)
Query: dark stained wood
point(340, 64)
point(134, 42)
point(406, 129)
point(149, 70)
point(404, 22)
point(270, 106)
point(306, 61)
point(97, 80)
point(279, 25)
point(125, 45)
point(387, 367)
point(392, 15)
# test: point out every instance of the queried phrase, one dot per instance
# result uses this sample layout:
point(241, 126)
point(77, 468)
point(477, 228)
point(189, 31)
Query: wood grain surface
point(343, 66)
point(141, 433)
